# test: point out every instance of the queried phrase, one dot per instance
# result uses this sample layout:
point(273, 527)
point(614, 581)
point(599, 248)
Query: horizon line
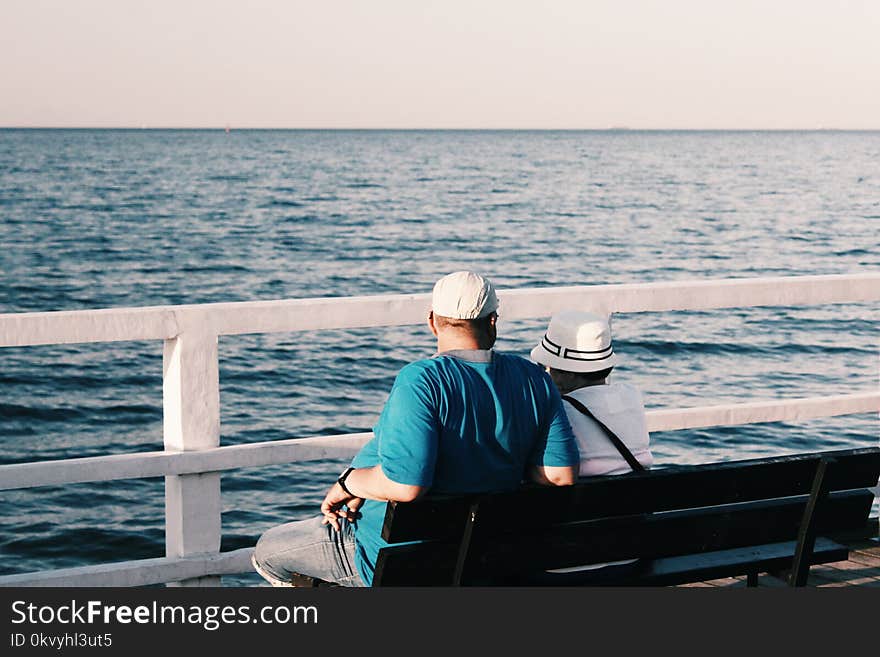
point(231, 128)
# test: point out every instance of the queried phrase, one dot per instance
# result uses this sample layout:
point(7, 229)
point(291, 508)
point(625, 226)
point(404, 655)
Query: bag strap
point(618, 443)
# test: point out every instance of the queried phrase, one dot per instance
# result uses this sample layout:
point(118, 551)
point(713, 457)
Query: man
point(577, 352)
point(470, 419)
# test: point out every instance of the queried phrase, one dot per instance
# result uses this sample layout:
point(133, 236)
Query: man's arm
point(373, 484)
point(553, 476)
point(555, 460)
point(406, 437)
point(364, 483)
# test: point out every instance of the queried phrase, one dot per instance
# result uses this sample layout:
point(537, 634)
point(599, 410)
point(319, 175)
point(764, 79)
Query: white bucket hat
point(576, 341)
point(464, 295)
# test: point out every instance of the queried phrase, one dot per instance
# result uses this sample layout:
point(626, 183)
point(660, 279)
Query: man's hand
point(373, 485)
point(335, 499)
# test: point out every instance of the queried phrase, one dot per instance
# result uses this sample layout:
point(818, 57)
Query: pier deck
point(861, 569)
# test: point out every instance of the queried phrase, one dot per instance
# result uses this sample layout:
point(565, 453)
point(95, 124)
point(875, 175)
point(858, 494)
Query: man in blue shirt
point(468, 420)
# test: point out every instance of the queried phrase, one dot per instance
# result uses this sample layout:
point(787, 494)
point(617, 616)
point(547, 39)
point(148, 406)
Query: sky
point(543, 64)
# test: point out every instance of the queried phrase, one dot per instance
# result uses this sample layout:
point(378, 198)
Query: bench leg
point(464, 548)
point(752, 579)
point(800, 567)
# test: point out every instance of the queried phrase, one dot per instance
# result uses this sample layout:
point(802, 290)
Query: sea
point(120, 218)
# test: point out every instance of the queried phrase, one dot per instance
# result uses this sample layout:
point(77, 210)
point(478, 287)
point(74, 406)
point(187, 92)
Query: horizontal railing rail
point(141, 572)
point(166, 322)
point(294, 450)
point(193, 458)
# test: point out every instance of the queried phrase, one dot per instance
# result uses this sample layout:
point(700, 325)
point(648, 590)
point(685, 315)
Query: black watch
point(341, 481)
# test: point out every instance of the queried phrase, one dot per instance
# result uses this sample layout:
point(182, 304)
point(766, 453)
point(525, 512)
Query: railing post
point(191, 407)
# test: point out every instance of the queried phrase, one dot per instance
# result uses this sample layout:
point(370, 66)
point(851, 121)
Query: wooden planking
point(843, 573)
point(864, 583)
point(852, 570)
point(718, 581)
point(164, 322)
point(870, 558)
point(699, 585)
point(764, 581)
point(657, 490)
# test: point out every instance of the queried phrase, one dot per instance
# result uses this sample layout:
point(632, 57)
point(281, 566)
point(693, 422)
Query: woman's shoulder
point(620, 391)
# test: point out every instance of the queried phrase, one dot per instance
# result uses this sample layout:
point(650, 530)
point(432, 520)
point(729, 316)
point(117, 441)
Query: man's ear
point(431, 324)
point(493, 319)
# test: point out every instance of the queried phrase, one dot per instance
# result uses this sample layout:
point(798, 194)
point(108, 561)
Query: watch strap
point(341, 481)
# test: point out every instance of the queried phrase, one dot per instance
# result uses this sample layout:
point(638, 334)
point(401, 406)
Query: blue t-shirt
point(465, 423)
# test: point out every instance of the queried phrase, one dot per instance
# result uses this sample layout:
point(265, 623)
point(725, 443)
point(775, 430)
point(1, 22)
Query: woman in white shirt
point(577, 352)
point(608, 419)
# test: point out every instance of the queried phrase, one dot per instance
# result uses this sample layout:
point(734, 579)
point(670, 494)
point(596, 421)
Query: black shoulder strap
point(618, 443)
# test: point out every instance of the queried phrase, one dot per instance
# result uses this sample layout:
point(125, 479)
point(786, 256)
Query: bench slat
point(666, 534)
point(442, 518)
point(670, 571)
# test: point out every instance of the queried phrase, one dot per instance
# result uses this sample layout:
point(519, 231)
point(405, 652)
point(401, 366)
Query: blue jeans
point(309, 548)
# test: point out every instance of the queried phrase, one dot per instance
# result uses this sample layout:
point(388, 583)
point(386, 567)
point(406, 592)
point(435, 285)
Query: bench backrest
point(664, 512)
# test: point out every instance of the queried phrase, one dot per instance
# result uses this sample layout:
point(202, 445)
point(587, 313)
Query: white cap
point(576, 341)
point(464, 295)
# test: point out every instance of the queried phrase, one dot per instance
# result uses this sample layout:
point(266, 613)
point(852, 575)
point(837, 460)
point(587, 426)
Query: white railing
point(192, 460)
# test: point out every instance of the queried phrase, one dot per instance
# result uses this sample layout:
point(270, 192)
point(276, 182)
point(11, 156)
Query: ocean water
point(109, 218)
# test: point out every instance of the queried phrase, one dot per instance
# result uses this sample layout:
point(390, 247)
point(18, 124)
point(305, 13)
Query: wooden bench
point(681, 524)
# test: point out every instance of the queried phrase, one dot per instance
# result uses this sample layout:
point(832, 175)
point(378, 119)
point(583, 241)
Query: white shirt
point(619, 406)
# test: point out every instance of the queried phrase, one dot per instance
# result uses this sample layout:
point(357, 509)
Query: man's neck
point(456, 343)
